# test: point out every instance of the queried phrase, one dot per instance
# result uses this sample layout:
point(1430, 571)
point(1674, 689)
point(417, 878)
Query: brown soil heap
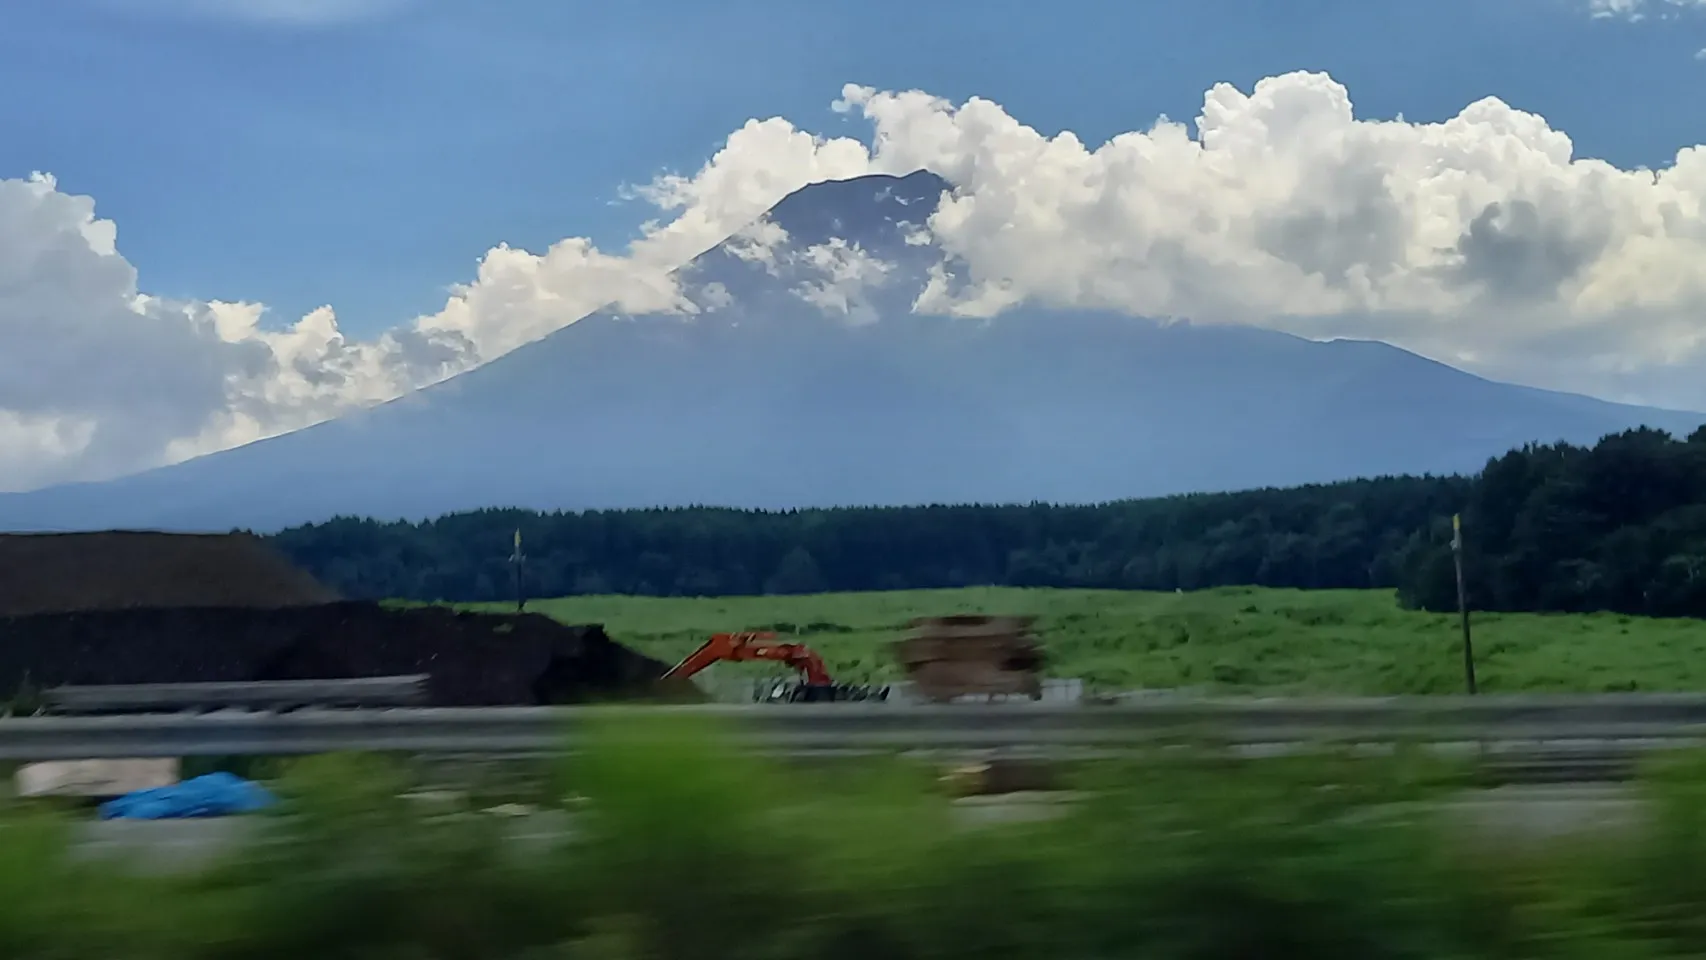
point(948, 657)
point(63, 572)
point(104, 608)
point(472, 659)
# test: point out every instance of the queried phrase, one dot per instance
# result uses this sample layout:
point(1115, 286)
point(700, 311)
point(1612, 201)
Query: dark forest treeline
point(1343, 535)
point(1620, 526)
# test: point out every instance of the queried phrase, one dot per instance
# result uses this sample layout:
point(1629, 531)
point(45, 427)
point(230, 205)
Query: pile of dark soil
point(62, 572)
point(473, 659)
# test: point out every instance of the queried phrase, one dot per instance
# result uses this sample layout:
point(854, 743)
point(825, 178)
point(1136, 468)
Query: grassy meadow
point(1227, 640)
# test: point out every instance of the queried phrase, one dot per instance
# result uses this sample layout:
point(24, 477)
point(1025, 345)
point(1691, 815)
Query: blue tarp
point(213, 795)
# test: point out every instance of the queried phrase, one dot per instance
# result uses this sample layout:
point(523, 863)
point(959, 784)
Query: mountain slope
point(806, 381)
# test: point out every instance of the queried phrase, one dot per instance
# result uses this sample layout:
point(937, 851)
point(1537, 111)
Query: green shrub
point(687, 849)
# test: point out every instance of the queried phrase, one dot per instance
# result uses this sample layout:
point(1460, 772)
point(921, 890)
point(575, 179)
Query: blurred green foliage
point(686, 849)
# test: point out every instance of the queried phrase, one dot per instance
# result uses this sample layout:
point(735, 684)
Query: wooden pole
point(1462, 601)
point(516, 559)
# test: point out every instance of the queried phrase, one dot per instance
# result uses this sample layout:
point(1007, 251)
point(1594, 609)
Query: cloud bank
point(1482, 241)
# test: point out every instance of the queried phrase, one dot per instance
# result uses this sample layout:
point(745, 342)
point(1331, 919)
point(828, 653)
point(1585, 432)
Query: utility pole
point(516, 560)
point(1462, 601)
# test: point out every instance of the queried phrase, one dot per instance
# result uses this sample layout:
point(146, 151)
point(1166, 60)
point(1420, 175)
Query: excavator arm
point(749, 646)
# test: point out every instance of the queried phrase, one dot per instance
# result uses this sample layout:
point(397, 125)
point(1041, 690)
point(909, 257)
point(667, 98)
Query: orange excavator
point(815, 684)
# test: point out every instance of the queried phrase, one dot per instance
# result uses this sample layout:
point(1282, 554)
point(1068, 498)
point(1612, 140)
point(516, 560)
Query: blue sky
point(368, 162)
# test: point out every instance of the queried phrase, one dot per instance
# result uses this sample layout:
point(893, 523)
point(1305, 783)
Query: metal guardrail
point(393, 691)
point(1627, 719)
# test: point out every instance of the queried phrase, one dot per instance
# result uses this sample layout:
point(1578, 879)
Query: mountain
point(807, 381)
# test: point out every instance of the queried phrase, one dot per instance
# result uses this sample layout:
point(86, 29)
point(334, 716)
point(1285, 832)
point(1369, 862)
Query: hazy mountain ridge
point(803, 380)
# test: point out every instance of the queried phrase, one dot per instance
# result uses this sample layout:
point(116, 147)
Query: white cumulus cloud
point(1481, 240)
point(1639, 9)
point(98, 379)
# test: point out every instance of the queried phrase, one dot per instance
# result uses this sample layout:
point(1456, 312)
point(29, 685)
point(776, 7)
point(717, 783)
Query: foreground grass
point(689, 851)
point(1226, 640)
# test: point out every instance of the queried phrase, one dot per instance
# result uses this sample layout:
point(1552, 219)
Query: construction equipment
point(815, 683)
point(970, 655)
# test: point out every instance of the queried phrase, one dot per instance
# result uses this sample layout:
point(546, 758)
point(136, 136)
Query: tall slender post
point(1462, 601)
point(516, 559)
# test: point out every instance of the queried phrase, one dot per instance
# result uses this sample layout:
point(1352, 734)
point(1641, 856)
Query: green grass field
point(1230, 640)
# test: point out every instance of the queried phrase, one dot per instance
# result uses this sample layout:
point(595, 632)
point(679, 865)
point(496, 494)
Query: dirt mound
point(60, 572)
point(473, 659)
point(969, 654)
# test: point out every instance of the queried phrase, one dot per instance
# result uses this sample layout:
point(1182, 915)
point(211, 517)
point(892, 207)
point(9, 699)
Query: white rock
point(95, 778)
